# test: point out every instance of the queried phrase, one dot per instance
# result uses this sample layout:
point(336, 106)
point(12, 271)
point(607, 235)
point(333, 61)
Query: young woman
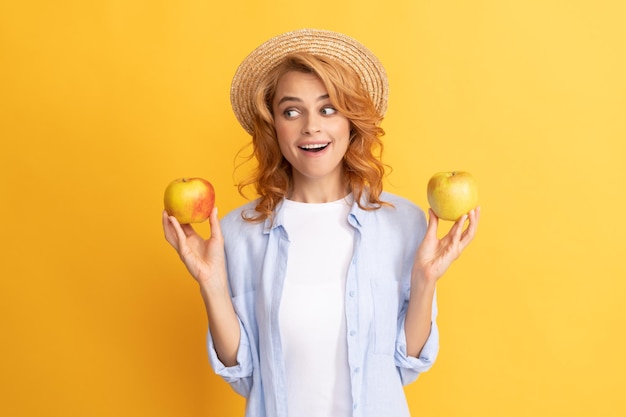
point(320, 294)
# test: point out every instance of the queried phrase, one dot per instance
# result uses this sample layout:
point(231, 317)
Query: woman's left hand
point(434, 256)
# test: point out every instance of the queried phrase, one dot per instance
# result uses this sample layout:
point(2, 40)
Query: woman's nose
point(311, 125)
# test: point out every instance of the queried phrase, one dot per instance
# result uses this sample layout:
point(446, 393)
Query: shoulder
point(233, 223)
point(245, 242)
point(398, 201)
point(396, 229)
point(401, 208)
point(399, 216)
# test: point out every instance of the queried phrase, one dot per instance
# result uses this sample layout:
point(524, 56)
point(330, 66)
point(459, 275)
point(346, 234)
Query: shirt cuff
point(427, 356)
point(242, 369)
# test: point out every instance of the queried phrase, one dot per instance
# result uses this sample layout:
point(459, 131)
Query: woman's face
point(312, 135)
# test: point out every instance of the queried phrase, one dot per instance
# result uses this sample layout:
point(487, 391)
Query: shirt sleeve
point(410, 367)
point(239, 376)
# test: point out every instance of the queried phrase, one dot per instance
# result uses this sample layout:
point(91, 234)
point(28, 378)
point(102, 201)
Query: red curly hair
point(363, 168)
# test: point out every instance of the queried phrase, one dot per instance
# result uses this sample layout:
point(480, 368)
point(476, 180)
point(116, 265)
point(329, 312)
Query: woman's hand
point(203, 258)
point(206, 262)
point(434, 256)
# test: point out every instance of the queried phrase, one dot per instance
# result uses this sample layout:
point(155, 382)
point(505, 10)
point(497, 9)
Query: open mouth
point(314, 147)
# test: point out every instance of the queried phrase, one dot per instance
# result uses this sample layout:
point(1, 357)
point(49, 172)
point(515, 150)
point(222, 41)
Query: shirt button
point(352, 332)
point(352, 293)
point(357, 370)
point(354, 406)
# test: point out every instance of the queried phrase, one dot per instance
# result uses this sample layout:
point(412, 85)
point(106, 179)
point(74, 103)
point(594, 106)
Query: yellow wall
point(102, 103)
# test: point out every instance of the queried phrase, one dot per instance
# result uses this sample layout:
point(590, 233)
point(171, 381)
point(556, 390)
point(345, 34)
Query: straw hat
point(324, 43)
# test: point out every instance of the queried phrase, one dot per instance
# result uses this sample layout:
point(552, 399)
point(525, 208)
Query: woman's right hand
point(203, 258)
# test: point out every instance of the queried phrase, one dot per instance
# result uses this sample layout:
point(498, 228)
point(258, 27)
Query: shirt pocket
point(385, 294)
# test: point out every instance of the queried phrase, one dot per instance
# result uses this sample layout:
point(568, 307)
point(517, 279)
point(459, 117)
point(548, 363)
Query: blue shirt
point(377, 293)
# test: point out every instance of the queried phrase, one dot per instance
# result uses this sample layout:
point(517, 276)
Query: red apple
point(452, 194)
point(190, 200)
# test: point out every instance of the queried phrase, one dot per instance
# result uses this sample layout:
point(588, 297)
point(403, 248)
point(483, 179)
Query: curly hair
point(363, 168)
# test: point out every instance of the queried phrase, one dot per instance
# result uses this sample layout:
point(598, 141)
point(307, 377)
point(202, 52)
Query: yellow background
point(102, 103)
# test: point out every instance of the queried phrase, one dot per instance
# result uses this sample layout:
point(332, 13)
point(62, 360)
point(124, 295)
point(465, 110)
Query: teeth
point(314, 146)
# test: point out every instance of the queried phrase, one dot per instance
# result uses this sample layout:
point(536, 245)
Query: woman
point(321, 293)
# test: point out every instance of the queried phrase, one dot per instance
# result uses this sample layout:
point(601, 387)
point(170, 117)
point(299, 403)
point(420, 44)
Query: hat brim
point(324, 43)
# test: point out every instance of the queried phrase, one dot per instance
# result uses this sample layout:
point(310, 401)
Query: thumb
point(433, 223)
point(216, 230)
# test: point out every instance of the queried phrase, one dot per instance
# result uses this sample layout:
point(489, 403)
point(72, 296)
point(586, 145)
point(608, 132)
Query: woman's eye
point(328, 111)
point(289, 113)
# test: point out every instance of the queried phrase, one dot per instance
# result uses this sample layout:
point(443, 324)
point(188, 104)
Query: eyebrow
point(299, 100)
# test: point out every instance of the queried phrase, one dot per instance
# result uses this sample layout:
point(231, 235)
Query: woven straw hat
point(324, 43)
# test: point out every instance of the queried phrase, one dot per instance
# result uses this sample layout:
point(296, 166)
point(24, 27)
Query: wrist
point(214, 290)
point(423, 281)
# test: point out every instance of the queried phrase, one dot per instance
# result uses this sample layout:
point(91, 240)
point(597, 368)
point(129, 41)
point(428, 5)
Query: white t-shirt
point(312, 311)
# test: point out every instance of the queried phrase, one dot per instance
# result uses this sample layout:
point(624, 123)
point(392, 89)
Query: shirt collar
point(356, 216)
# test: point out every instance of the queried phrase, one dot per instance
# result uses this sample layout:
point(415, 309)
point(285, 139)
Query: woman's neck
point(318, 191)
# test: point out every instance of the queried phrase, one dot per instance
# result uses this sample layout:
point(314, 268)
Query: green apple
point(190, 200)
point(452, 194)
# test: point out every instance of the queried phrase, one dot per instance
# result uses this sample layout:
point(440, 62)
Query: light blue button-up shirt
point(377, 293)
